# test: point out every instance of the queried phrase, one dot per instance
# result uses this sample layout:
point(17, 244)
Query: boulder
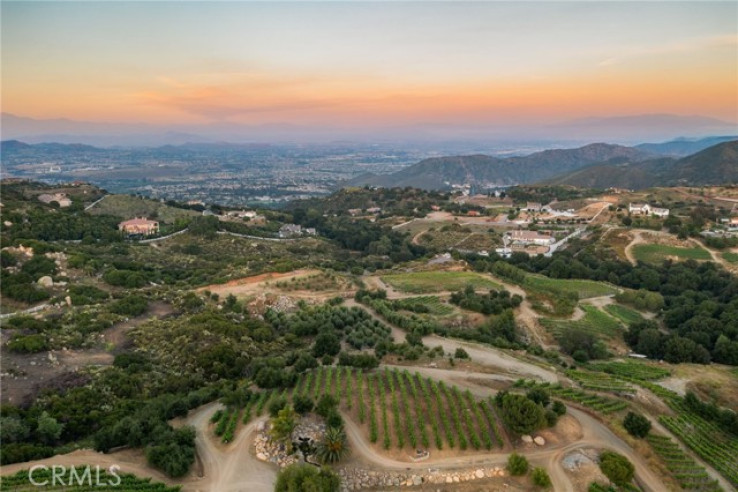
point(45, 281)
point(526, 439)
point(479, 473)
point(539, 441)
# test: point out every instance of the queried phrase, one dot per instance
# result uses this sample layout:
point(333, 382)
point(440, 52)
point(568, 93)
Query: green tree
point(13, 429)
point(326, 405)
point(334, 445)
point(284, 423)
point(517, 464)
point(521, 414)
point(617, 468)
point(306, 478)
point(48, 429)
point(326, 343)
point(540, 477)
point(303, 404)
point(637, 425)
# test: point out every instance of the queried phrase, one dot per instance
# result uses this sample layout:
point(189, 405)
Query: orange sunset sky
point(356, 63)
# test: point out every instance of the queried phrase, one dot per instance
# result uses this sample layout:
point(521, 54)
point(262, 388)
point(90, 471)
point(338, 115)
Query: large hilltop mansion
point(139, 226)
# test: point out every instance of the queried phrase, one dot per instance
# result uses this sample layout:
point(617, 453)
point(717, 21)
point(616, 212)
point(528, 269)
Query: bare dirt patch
point(24, 375)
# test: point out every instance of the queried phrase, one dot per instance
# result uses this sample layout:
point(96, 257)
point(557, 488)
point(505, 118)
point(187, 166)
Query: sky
point(359, 64)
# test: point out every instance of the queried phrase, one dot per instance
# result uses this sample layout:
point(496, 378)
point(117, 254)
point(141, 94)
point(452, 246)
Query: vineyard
point(426, 282)
point(401, 410)
point(583, 289)
point(600, 382)
point(423, 304)
point(594, 321)
point(593, 401)
point(630, 369)
point(689, 474)
point(624, 314)
point(709, 442)
point(101, 481)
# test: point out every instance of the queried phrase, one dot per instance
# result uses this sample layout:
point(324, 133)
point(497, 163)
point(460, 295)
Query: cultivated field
point(426, 282)
point(656, 253)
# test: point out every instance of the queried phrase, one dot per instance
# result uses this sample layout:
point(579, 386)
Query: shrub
point(517, 464)
point(616, 467)
point(276, 405)
point(559, 408)
point(461, 353)
point(334, 445)
point(299, 478)
point(539, 395)
point(637, 425)
point(540, 477)
point(303, 404)
point(326, 405)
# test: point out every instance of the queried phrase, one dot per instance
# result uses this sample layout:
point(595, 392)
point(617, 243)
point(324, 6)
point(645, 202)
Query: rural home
point(60, 198)
point(139, 225)
point(646, 209)
point(292, 230)
point(531, 237)
point(533, 207)
point(639, 208)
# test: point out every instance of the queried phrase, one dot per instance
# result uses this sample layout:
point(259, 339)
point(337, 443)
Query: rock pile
point(276, 452)
point(357, 479)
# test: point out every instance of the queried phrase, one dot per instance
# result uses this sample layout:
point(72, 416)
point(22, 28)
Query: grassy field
point(656, 253)
point(624, 314)
point(594, 321)
point(731, 257)
point(425, 282)
point(582, 288)
point(127, 206)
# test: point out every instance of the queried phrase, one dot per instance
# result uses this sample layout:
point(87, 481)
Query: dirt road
point(232, 467)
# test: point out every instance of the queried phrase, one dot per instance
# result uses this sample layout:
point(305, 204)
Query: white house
point(531, 237)
point(646, 209)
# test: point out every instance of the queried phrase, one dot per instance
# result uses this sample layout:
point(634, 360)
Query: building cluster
point(295, 230)
point(646, 209)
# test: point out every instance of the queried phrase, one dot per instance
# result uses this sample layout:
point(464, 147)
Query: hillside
point(441, 172)
point(683, 147)
point(715, 165)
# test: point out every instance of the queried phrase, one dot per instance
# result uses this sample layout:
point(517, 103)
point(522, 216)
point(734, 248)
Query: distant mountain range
point(682, 147)
point(441, 172)
point(594, 166)
point(715, 165)
point(621, 129)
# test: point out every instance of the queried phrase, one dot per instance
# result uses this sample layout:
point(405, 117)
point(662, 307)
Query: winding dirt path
point(594, 435)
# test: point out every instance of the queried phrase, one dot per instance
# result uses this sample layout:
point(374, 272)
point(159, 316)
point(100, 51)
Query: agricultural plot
point(708, 441)
point(433, 305)
point(594, 321)
point(656, 253)
point(631, 369)
point(583, 289)
point(624, 314)
point(600, 382)
point(102, 481)
point(689, 474)
point(427, 282)
point(730, 257)
point(594, 401)
point(402, 410)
